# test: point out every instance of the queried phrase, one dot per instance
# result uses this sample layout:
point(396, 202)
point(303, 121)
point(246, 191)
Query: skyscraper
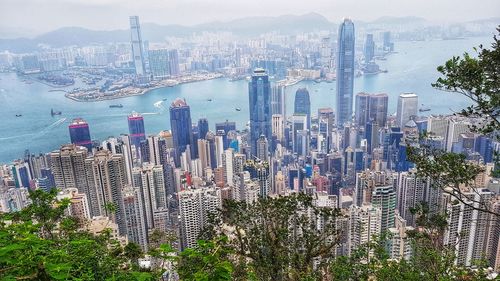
point(159, 63)
point(202, 128)
point(150, 180)
point(259, 93)
point(369, 48)
point(106, 177)
point(278, 102)
point(384, 198)
point(137, 47)
point(345, 71)
point(136, 129)
point(195, 205)
point(68, 167)
point(407, 108)
point(79, 133)
point(302, 104)
point(371, 108)
point(133, 207)
point(180, 123)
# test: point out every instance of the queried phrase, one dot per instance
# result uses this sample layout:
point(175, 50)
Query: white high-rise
point(407, 108)
point(134, 216)
point(364, 224)
point(195, 205)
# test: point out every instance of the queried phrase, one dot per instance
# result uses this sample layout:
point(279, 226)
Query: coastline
point(162, 84)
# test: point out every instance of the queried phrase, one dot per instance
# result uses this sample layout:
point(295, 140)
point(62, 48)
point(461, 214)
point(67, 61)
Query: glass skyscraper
point(137, 47)
point(136, 129)
point(302, 104)
point(180, 123)
point(259, 96)
point(345, 71)
point(79, 133)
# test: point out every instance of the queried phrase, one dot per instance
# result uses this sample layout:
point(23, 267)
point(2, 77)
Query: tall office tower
point(467, 230)
point(278, 127)
point(366, 182)
point(133, 208)
point(377, 108)
point(237, 57)
point(106, 177)
point(369, 48)
point(202, 128)
point(388, 45)
point(456, 126)
point(79, 133)
point(68, 167)
point(262, 148)
point(259, 170)
point(372, 136)
point(21, 174)
point(173, 57)
point(371, 108)
point(411, 192)
point(180, 124)
point(210, 137)
point(129, 155)
point(384, 198)
point(219, 147)
point(361, 109)
point(302, 104)
point(299, 124)
point(159, 63)
point(195, 205)
point(326, 113)
point(399, 246)
point(407, 108)
point(150, 180)
point(154, 150)
point(137, 47)
point(136, 129)
point(259, 92)
point(364, 223)
point(278, 101)
point(345, 71)
point(204, 154)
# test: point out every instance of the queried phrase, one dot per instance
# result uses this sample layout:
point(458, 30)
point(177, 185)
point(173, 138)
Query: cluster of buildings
point(353, 158)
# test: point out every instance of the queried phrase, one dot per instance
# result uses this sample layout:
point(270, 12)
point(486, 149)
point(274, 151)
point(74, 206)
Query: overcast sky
point(46, 15)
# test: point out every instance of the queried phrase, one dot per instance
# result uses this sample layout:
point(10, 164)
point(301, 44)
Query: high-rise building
point(384, 198)
point(180, 123)
point(369, 48)
point(345, 71)
point(106, 178)
point(195, 205)
point(79, 133)
point(202, 128)
point(68, 168)
point(259, 91)
point(377, 109)
point(136, 129)
point(407, 108)
point(173, 57)
point(133, 208)
point(159, 63)
point(299, 129)
point(302, 104)
point(398, 244)
point(262, 148)
point(388, 45)
point(456, 126)
point(150, 180)
point(467, 230)
point(411, 192)
point(137, 47)
point(278, 127)
point(278, 101)
point(364, 224)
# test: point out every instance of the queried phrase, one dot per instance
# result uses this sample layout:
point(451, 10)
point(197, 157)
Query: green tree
point(41, 243)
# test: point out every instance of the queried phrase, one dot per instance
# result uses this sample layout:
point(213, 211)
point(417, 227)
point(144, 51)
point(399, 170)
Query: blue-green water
point(412, 69)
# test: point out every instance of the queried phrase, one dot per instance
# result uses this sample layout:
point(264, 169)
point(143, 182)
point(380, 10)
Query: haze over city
point(32, 17)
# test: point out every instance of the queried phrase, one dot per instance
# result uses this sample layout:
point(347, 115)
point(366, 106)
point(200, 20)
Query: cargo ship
point(116, 106)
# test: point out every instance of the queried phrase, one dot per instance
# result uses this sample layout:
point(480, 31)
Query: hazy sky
point(45, 15)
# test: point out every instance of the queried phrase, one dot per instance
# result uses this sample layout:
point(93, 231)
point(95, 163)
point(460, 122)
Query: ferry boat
point(116, 106)
point(209, 99)
point(238, 109)
point(424, 109)
point(19, 115)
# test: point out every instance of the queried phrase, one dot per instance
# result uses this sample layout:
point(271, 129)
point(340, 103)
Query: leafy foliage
point(42, 243)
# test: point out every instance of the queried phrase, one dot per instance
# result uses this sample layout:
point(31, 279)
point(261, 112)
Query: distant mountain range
point(250, 26)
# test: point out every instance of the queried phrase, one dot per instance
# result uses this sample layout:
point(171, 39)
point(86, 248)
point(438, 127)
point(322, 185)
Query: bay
point(411, 69)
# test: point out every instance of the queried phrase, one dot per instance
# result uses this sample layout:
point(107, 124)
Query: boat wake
point(38, 134)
